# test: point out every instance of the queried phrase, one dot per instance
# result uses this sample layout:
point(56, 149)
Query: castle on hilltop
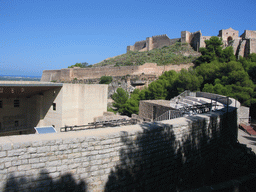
point(243, 45)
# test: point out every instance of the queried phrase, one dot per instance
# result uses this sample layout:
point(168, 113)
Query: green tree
point(211, 52)
point(132, 104)
point(105, 80)
point(120, 98)
point(81, 65)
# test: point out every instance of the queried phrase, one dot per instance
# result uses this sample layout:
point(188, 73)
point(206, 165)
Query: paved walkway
point(247, 139)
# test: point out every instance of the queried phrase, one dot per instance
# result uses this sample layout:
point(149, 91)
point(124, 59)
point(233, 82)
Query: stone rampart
point(161, 41)
point(67, 75)
point(51, 75)
point(149, 156)
point(139, 45)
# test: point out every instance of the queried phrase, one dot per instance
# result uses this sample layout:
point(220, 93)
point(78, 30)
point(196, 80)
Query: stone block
point(3, 154)
point(74, 145)
point(1, 166)
point(32, 150)
point(43, 159)
point(74, 155)
point(53, 163)
point(16, 162)
point(84, 176)
point(106, 160)
point(96, 162)
point(34, 160)
point(24, 156)
point(16, 152)
point(12, 169)
point(63, 147)
point(24, 167)
point(24, 161)
point(43, 149)
point(85, 164)
point(58, 141)
point(36, 155)
point(107, 142)
point(37, 143)
point(8, 164)
point(54, 148)
point(48, 142)
point(95, 152)
point(74, 165)
point(6, 147)
point(51, 169)
point(62, 168)
point(37, 165)
point(77, 150)
point(84, 144)
point(86, 153)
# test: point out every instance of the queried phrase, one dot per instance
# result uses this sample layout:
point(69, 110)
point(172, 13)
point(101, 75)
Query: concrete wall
point(145, 156)
point(76, 104)
point(67, 75)
point(82, 103)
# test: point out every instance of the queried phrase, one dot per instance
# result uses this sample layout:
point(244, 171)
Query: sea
point(19, 78)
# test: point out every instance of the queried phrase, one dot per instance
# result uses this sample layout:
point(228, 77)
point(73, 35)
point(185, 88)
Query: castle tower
point(149, 43)
point(228, 35)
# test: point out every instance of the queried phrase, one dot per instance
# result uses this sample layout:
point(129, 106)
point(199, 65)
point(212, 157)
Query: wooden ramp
point(248, 128)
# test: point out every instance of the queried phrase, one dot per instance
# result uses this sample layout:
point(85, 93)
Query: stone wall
point(67, 75)
point(196, 40)
point(161, 41)
point(139, 45)
point(147, 157)
point(151, 109)
point(153, 42)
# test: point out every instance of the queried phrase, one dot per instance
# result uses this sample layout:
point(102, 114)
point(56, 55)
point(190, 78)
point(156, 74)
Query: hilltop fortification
point(243, 45)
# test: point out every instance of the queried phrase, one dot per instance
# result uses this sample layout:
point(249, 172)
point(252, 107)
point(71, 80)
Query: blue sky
point(37, 35)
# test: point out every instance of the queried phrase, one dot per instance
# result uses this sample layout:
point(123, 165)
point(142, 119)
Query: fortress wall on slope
point(66, 75)
point(161, 41)
point(94, 159)
point(51, 75)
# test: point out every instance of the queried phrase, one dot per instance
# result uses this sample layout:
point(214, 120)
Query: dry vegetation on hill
point(174, 54)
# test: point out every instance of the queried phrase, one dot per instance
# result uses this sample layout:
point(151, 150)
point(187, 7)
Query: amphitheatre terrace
point(90, 159)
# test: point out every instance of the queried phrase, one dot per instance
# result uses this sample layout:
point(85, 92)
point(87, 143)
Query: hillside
point(174, 54)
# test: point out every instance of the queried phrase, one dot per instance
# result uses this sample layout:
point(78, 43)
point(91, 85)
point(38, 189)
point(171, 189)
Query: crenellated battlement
point(196, 40)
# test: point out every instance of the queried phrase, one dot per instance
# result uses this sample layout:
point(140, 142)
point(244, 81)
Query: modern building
point(25, 105)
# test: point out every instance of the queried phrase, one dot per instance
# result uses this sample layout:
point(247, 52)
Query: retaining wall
point(67, 75)
point(148, 156)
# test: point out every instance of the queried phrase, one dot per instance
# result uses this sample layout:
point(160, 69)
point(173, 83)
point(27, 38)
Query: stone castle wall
point(153, 42)
point(111, 159)
point(229, 36)
point(67, 75)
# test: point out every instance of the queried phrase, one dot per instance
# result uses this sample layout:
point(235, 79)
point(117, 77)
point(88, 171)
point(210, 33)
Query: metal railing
point(171, 114)
point(99, 124)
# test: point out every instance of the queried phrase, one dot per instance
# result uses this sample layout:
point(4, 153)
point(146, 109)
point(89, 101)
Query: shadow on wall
point(157, 161)
point(45, 183)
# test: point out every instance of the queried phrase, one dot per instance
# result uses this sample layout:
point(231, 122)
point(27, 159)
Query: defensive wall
point(148, 156)
point(242, 45)
point(67, 75)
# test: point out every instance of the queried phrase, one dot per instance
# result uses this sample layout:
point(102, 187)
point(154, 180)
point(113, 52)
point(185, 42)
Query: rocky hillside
point(174, 54)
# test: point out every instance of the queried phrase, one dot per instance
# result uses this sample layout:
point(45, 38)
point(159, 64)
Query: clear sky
point(37, 35)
